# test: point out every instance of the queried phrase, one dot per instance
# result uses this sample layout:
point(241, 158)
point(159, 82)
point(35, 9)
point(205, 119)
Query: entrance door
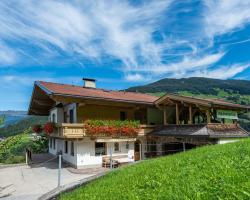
point(137, 150)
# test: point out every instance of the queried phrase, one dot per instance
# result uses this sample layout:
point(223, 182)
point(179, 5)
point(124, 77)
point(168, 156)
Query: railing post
point(184, 146)
point(59, 170)
point(26, 157)
point(140, 148)
point(111, 162)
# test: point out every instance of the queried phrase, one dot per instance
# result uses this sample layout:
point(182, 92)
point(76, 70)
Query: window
point(50, 143)
point(116, 146)
point(127, 145)
point(123, 115)
point(65, 146)
point(72, 151)
point(65, 117)
point(53, 118)
point(71, 116)
point(100, 148)
point(151, 146)
point(54, 143)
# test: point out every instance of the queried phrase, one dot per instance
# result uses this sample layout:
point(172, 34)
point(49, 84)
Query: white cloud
point(7, 55)
point(89, 28)
point(222, 72)
point(224, 16)
point(135, 77)
point(185, 66)
point(118, 29)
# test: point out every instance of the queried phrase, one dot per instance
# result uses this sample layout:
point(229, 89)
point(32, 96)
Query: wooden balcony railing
point(76, 130)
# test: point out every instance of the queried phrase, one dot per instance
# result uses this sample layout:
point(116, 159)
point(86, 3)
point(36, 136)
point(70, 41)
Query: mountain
point(16, 122)
point(21, 125)
point(195, 85)
point(11, 117)
point(237, 91)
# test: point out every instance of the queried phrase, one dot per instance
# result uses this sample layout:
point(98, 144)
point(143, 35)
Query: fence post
point(111, 162)
point(59, 170)
point(26, 157)
point(140, 148)
point(184, 146)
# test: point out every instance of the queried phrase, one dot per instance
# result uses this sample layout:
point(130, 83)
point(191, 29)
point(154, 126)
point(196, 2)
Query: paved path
point(29, 183)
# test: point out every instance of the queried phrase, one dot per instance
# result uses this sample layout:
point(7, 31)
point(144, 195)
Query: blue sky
point(120, 43)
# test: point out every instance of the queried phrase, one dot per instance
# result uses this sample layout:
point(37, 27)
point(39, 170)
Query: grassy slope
point(213, 172)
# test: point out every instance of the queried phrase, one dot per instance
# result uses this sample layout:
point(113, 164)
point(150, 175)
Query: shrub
point(39, 145)
point(15, 160)
point(14, 146)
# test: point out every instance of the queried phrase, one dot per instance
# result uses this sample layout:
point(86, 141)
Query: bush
point(15, 160)
point(14, 146)
point(39, 145)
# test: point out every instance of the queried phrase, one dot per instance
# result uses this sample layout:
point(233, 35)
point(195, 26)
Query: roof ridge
point(100, 89)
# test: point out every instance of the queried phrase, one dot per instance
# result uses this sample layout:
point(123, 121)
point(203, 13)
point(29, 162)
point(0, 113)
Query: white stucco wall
point(67, 110)
point(67, 156)
point(58, 115)
point(84, 152)
point(51, 149)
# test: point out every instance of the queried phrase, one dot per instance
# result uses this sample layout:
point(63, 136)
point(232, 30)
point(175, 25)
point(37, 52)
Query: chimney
point(88, 82)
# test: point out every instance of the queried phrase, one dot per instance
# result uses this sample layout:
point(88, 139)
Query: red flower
point(49, 128)
point(37, 128)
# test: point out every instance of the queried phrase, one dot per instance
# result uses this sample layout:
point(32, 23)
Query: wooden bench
point(106, 162)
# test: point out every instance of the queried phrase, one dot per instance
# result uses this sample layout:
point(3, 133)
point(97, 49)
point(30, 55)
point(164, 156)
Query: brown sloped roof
point(201, 101)
point(71, 90)
point(205, 130)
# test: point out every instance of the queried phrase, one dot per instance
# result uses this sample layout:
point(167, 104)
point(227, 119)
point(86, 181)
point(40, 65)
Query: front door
point(137, 150)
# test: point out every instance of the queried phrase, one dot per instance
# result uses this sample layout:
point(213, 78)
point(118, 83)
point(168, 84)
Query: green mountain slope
point(195, 85)
point(206, 173)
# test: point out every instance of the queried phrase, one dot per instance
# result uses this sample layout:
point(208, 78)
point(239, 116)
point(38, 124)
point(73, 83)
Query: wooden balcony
point(76, 130)
point(67, 130)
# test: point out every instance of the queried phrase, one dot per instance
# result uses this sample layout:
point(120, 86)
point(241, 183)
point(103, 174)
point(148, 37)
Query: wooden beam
point(177, 113)
point(165, 115)
point(208, 116)
point(190, 115)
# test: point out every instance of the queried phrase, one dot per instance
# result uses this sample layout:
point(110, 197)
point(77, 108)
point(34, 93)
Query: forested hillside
point(196, 85)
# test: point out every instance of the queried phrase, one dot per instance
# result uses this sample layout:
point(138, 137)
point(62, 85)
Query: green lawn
point(212, 172)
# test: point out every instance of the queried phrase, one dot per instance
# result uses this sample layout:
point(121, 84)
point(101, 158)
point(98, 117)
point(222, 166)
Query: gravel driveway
point(29, 183)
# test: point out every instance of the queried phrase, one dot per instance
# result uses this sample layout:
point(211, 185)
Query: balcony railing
point(76, 130)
